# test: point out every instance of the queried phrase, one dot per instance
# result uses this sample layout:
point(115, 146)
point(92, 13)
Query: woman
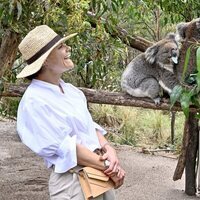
point(53, 119)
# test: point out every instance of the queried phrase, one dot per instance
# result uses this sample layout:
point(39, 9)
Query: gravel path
point(23, 176)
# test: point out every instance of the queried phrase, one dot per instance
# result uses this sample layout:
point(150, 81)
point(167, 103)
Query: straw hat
point(36, 47)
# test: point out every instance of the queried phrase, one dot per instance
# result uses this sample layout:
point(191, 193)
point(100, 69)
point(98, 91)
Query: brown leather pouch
point(94, 182)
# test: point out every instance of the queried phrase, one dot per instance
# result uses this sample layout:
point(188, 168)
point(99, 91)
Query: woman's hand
point(118, 178)
point(110, 155)
point(114, 170)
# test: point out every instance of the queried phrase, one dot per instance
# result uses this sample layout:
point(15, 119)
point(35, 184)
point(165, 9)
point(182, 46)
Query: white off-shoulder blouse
point(51, 123)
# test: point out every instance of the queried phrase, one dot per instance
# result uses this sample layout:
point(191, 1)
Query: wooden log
point(191, 155)
point(104, 97)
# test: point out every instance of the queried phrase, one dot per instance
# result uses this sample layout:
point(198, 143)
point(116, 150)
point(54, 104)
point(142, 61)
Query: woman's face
point(59, 60)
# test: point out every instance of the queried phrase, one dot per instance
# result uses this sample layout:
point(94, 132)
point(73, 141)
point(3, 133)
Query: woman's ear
point(45, 64)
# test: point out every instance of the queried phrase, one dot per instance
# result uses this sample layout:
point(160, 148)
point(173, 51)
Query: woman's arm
point(88, 158)
point(115, 172)
point(110, 154)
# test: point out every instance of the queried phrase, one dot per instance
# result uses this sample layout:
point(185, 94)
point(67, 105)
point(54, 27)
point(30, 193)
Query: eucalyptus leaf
point(185, 103)
point(198, 81)
point(19, 9)
point(198, 59)
point(198, 115)
point(175, 95)
point(187, 58)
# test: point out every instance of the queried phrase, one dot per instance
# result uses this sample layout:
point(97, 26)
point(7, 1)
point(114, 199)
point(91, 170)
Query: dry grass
point(138, 127)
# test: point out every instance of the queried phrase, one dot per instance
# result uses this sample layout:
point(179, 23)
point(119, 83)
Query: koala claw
point(157, 100)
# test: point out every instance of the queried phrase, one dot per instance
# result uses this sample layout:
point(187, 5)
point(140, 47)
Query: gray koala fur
point(188, 30)
point(152, 70)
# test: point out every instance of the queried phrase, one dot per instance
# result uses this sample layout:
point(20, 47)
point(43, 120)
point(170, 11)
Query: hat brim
point(37, 65)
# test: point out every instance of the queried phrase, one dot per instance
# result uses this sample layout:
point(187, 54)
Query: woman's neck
point(50, 78)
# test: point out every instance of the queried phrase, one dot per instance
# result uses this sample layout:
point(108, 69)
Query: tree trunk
point(8, 50)
point(191, 155)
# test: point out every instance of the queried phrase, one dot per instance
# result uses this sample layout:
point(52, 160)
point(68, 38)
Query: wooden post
point(173, 117)
point(182, 157)
point(191, 155)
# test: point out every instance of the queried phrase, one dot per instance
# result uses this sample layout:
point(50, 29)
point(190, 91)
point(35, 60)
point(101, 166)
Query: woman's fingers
point(112, 168)
point(103, 157)
point(118, 177)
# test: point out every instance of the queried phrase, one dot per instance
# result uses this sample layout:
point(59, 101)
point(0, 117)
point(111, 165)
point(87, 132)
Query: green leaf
point(175, 95)
point(198, 81)
point(187, 58)
point(12, 3)
point(1, 10)
point(198, 59)
point(198, 116)
point(185, 103)
point(19, 9)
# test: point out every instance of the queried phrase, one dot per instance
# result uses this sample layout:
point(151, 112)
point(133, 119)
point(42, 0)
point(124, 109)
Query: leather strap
point(43, 49)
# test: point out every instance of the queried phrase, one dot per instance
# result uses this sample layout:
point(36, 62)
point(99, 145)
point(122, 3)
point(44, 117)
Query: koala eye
point(166, 51)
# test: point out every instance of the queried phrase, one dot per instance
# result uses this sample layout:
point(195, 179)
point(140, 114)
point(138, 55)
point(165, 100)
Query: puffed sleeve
point(44, 133)
point(99, 128)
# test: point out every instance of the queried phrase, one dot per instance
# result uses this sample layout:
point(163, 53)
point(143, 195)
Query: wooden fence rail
point(105, 97)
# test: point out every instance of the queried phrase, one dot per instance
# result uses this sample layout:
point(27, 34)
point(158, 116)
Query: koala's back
point(136, 71)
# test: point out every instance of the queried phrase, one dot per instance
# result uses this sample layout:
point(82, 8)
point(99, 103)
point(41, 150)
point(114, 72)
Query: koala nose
point(174, 53)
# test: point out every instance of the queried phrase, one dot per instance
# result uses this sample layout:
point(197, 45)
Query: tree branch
point(133, 41)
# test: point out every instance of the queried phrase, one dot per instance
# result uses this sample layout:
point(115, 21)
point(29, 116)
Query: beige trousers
point(66, 186)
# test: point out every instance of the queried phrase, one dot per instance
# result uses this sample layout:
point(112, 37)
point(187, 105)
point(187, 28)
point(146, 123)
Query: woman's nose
point(68, 48)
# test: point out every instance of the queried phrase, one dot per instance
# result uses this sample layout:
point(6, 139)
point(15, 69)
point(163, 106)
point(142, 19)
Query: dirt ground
point(23, 175)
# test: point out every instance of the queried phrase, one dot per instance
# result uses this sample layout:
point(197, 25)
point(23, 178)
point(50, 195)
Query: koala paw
point(157, 100)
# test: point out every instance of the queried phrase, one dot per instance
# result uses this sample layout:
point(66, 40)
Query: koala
point(150, 72)
point(187, 33)
point(188, 30)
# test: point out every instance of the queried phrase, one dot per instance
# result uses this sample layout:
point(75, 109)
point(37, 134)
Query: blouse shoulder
point(75, 90)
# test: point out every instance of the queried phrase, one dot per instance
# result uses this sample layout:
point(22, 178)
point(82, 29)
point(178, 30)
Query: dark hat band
point(43, 50)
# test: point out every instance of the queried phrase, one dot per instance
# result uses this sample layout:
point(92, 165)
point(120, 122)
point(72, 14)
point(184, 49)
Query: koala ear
point(150, 53)
point(171, 36)
point(181, 30)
